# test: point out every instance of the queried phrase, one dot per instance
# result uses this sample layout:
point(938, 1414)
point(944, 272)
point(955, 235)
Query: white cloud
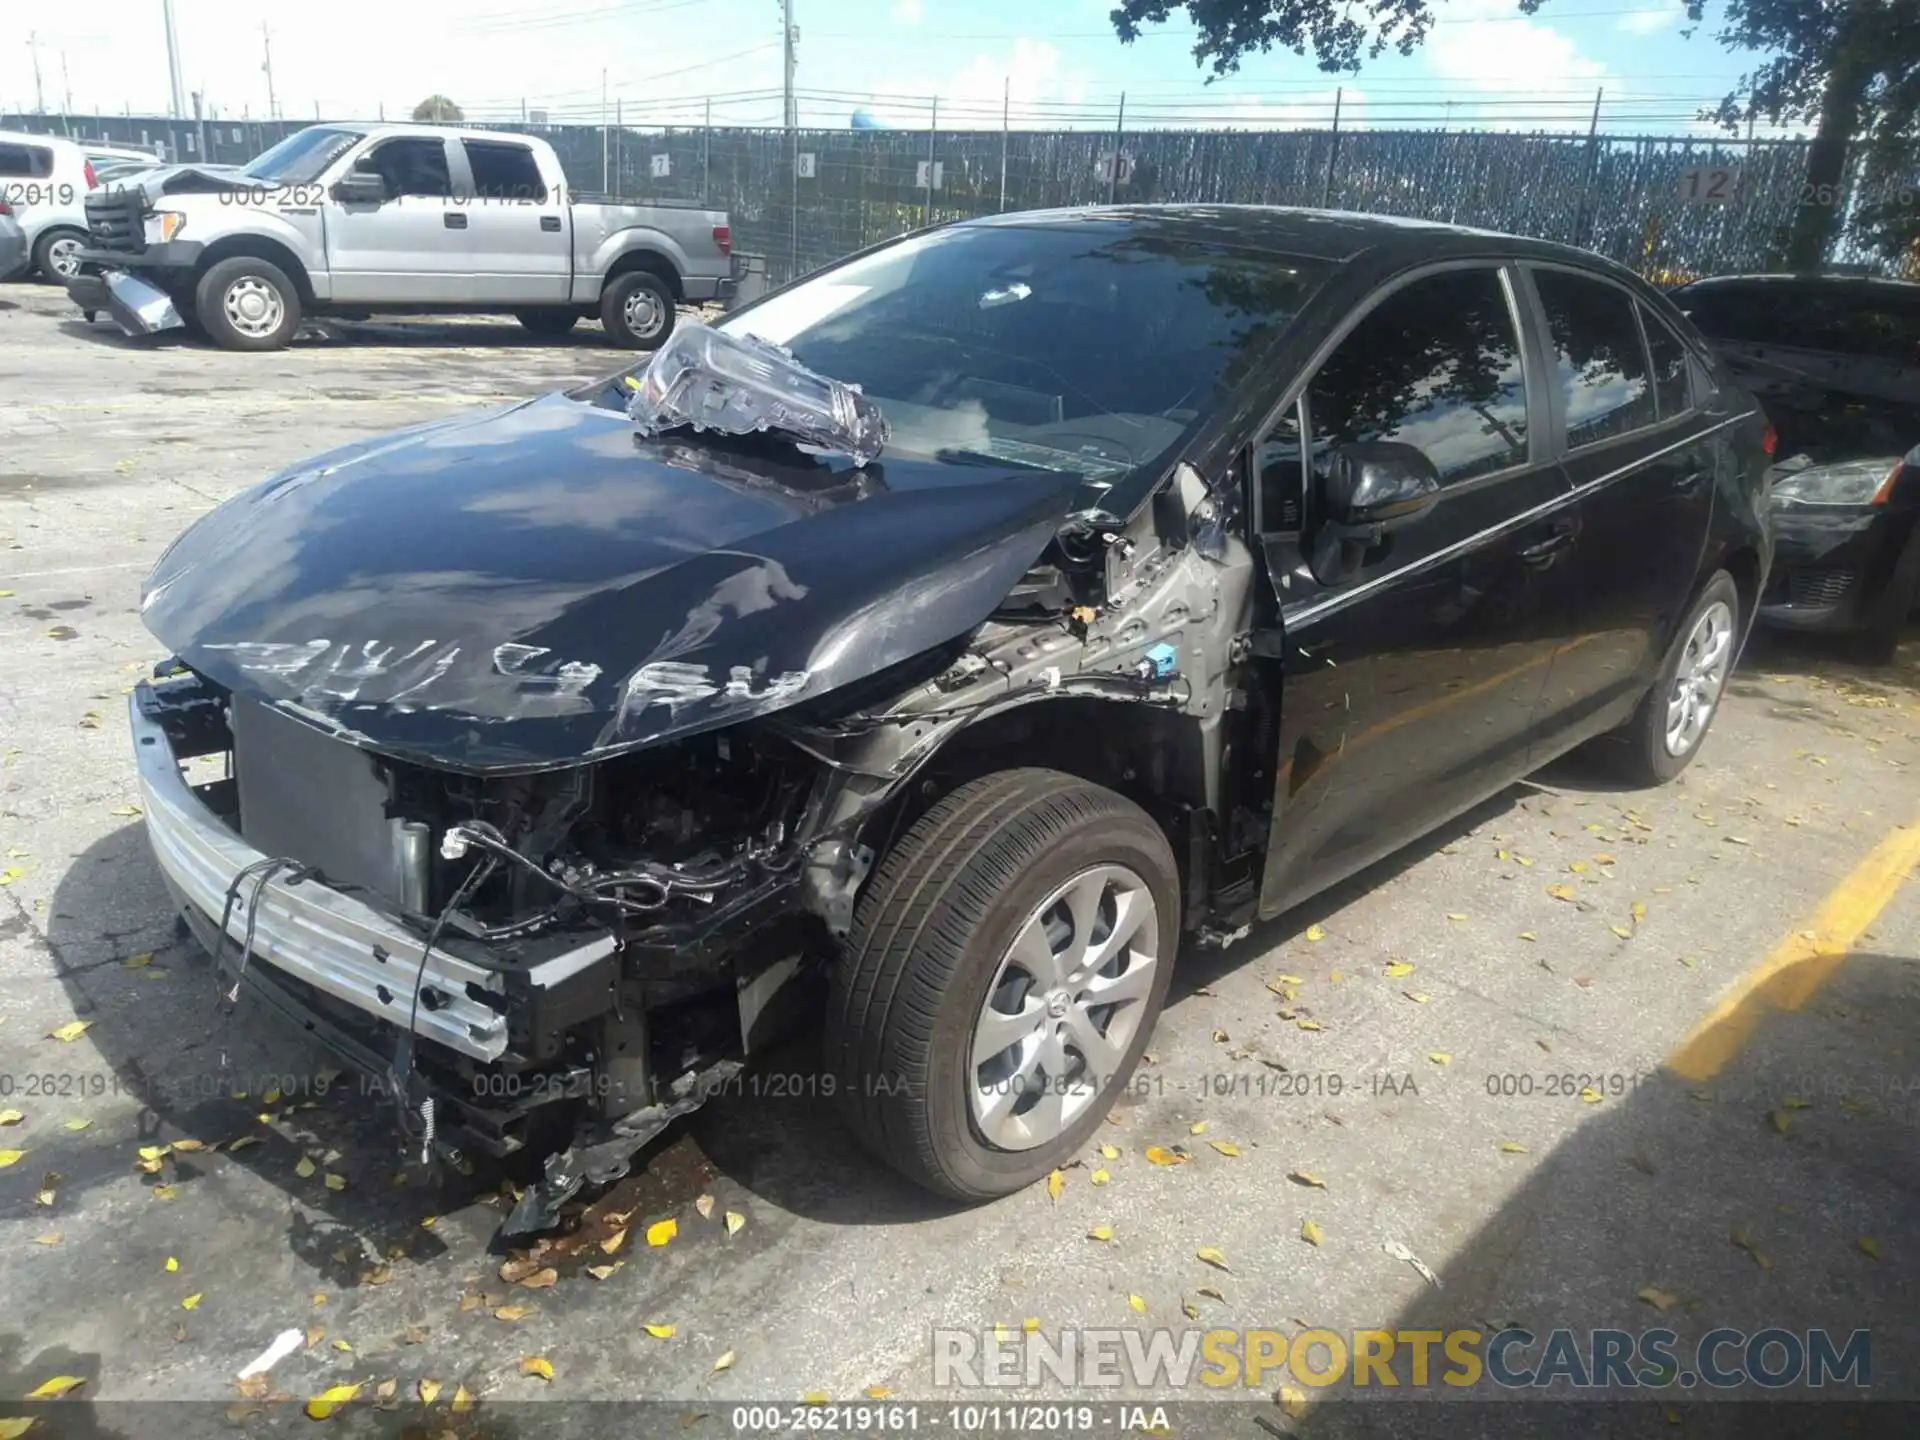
point(1538, 74)
point(909, 12)
point(1645, 22)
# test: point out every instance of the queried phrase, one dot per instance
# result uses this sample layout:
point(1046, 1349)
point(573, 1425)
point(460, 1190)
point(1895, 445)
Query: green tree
point(438, 110)
point(1849, 69)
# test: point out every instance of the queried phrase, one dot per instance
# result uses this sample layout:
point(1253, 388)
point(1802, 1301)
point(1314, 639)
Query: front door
point(1410, 679)
point(410, 248)
point(1639, 457)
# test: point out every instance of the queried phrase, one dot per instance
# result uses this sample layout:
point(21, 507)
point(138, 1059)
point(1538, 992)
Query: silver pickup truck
point(350, 220)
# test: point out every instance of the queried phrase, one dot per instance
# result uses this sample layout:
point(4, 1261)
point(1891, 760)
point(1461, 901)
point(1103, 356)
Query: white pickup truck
point(352, 220)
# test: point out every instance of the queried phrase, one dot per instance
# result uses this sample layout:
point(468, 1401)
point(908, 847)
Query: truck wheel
point(245, 303)
point(548, 324)
point(637, 310)
point(1666, 730)
point(1879, 640)
point(1005, 967)
point(56, 254)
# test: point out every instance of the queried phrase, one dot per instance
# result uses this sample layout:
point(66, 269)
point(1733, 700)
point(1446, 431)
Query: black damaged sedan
point(955, 634)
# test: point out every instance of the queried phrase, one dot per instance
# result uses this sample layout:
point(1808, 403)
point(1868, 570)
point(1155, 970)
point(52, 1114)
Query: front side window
point(1437, 365)
point(1091, 349)
point(504, 172)
point(1669, 359)
point(1598, 361)
point(414, 166)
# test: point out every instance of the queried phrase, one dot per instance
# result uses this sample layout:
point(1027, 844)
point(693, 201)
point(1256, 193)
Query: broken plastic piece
point(739, 384)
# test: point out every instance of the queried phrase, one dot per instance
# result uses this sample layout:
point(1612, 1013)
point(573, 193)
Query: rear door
point(411, 248)
point(516, 226)
point(1639, 455)
point(1410, 681)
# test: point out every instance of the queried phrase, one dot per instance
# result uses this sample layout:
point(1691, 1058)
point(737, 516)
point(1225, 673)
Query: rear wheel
point(637, 310)
point(1877, 643)
point(245, 303)
point(56, 254)
point(548, 324)
point(1005, 968)
point(1668, 728)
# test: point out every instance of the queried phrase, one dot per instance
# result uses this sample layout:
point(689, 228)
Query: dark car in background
point(1835, 363)
point(1184, 561)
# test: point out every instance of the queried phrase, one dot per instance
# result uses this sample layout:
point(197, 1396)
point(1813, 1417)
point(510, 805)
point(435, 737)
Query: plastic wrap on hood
point(738, 384)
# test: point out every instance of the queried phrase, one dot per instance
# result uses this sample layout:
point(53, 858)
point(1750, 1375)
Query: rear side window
point(1599, 365)
point(1883, 327)
point(1435, 365)
point(1669, 359)
point(25, 161)
point(504, 172)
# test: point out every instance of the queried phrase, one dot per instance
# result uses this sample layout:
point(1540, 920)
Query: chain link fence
point(1668, 206)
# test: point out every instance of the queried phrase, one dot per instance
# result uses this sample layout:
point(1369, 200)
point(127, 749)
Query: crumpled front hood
point(532, 586)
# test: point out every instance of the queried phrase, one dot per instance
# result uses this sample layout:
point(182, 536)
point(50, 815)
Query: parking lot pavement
point(1462, 1056)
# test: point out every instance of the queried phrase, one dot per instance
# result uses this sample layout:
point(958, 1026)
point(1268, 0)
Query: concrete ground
point(1473, 1071)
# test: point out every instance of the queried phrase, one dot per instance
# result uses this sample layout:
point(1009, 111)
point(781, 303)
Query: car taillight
point(5, 208)
point(723, 237)
point(92, 180)
point(1769, 441)
point(1885, 492)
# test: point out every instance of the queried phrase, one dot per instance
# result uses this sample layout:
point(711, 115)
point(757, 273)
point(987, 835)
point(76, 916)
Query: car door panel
point(409, 248)
point(516, 227)
point(1411, 683)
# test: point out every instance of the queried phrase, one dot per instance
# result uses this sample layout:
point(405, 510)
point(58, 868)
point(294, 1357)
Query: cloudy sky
point(665, 60)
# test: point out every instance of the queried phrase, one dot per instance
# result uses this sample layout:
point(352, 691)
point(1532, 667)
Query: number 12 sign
point(1709, 184)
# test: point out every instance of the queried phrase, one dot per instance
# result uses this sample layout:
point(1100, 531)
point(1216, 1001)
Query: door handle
point(1690, 482)
point(454, 220)
point(550, 222)
point(1541, 553)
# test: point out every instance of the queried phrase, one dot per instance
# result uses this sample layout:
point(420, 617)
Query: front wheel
point(1005, 968)
point(637, 310)
point(1666, 731)
point(56, 254)
point(245, 303)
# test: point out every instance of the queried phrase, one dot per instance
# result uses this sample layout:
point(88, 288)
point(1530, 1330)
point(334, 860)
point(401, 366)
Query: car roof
point(1856, 284)
point(25, 137)
point(1332, 235)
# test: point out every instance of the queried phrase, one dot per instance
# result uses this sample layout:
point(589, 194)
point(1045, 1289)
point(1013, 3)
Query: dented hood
point(529, 587)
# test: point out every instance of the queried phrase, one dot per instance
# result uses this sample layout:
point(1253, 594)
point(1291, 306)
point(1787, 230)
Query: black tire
point(1879, 641)
point(43, 248)
point(1638, 749)
point(548, 324)
point(636, 290)
point(210, 297)
point(929, 933)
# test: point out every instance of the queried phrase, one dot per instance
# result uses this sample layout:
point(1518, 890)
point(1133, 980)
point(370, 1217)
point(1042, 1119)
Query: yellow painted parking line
point(1802, 962)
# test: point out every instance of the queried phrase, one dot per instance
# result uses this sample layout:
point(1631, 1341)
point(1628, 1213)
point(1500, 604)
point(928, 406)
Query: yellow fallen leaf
point(1502, 855)
point(736, 1222)
point(1310, 1232)
point(542, 1279)
point(601, 1272)
point(137, 962)
point(78, 1123)
point(1455, 915)
point(537, 1365)
point(878, 1392)
point(1316, 932)
point(1306, 1024)
point(345, 1347)
point(1622, 931)
point(1439, 1057)
point(1285, 980)
point(815, 1397)
point(56, 1387)
point(192, 1302)
point(52, 1237)
point(187, 1146)
point(172, 1264)
point(324, 1404)
point(1590, 1095)
point(1794, 1102)
point(1208, 1255)
point(1578, 867)
point(614, 1241)
point(155, 1152)
point(1099, 1177)
point(1102, 1233)
point(1226, 1148)
point(1869, 1247)
point(242, 1143)
point(429, 1391)
point(10, 1157)
point(659, 1331)
point(725, 1362)
point(1639, 910)
point(1157, 1155)
point(1528, 935)
point(164, 1192)
point(1334, 977)
point(1661, 1300)
point(70, 1031)
point(1137, 1305)
point(1782, 1121)
point(661, 1231)
point(1512, 1147)
point(1418, 997)
point(1293, 1403)
point(1561, 892)
point(462, 1400)
point(513, 1312)
point(12, 1427)
point(1307, 1178)
point(1397, 968)
point(304, 1168)
point(705, 1206)
point(1056, 1182)
point(335, 1182)
point(11, 1117)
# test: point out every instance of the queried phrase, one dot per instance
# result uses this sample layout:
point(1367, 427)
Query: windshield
point(302, 157)
point(1088, 349)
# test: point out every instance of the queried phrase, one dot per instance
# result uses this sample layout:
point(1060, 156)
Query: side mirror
point(1374, 486)
point(361, 187)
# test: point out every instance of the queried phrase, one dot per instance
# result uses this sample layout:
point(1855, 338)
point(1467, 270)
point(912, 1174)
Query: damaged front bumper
point(137, 305)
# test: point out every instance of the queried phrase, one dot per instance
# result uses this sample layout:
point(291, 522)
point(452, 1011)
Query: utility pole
point(790, 36)
point(173, 60)
point(1119, 130)
point(605, 134)
point(66, 84)
point(1006, 124)
point(39, 97)
point(266, 49)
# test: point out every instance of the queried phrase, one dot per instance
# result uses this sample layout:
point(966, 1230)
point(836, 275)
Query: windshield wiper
point(707, 379)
